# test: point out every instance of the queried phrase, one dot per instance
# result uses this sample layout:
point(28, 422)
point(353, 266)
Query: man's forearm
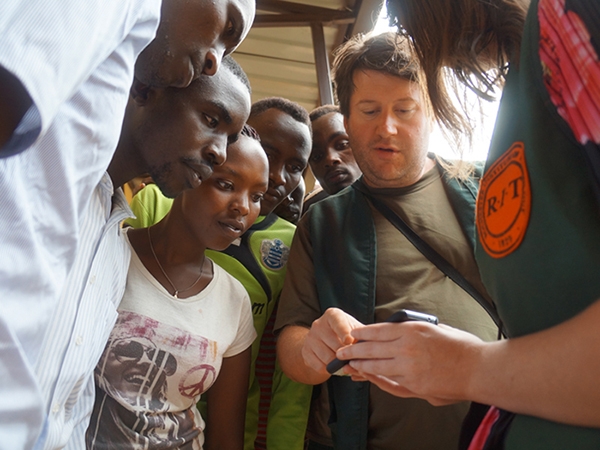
point(551, 374)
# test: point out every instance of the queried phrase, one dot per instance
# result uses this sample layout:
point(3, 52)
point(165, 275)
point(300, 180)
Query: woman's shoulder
point(225, 282)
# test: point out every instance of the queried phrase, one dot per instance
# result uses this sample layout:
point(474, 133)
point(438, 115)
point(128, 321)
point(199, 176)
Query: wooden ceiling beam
point(333, 17)
point(322, 64)
point(279, 6)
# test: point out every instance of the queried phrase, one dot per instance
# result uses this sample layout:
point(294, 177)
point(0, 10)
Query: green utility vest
point(345, 265)
point(554, 273)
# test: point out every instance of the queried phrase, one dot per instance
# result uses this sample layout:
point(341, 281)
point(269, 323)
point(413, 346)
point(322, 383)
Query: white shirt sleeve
point(75, 58)
point(245, 332)
point(52, 47)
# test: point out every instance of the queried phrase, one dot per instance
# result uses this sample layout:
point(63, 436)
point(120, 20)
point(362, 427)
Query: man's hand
point(328, 333)
point(305, 352)
point(413, 359)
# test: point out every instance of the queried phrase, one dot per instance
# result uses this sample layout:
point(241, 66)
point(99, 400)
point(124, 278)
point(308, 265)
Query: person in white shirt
point(160, 135)
point(66, 69)
point(185, 325)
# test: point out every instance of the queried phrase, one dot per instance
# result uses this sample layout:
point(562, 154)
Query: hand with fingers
point(413, 359)
point(327, 334)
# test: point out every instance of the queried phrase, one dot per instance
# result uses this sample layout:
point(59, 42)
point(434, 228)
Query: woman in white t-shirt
point(184, 325)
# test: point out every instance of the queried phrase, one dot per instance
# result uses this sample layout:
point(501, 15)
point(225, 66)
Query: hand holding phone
point(404, 315)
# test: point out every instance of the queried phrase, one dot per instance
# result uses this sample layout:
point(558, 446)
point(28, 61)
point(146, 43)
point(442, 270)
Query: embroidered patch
point(274, 254)
point(504, 203)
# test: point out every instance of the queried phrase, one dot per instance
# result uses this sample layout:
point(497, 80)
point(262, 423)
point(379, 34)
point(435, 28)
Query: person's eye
point(211, 121)
point(230, 28)
point(256, 198)
point(316, 157)
point(342, 145)
point(404, 111)
point(225, 185)
point(369, 112)
point(295, 168)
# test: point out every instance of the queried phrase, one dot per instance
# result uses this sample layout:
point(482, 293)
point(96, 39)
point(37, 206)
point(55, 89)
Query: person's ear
point(140, 92)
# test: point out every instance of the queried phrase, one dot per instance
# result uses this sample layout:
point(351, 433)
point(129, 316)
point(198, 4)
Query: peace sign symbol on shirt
point(197, 380)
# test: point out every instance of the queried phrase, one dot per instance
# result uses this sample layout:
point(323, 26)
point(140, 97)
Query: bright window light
point(483, 131)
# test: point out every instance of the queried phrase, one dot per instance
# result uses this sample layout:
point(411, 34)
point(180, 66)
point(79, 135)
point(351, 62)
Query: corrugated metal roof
point(278, 54)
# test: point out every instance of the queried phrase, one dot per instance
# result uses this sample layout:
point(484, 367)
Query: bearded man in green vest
point(349, 265)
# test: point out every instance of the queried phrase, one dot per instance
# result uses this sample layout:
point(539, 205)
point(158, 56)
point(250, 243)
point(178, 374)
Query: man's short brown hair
point(388, 52)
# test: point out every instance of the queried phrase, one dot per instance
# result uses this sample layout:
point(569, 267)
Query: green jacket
point(553, 274)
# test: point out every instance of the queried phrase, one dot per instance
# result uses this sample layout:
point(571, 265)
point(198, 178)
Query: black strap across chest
point(438, 260)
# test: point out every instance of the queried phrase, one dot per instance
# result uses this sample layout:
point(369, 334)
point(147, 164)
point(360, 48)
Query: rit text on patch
point(504, 203)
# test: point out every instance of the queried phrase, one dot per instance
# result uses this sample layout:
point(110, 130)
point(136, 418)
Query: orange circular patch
point(504, 203)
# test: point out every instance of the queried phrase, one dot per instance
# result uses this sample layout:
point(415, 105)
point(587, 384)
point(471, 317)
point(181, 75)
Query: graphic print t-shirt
point(162, 354)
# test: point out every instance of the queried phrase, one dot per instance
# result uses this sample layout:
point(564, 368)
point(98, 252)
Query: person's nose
point(241, 204)
point(277, 176)
point(212, 61)
point(387, 125)
point(216, 150)
point(332, 158)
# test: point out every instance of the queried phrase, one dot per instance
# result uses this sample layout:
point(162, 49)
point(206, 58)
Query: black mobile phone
point(404, 315)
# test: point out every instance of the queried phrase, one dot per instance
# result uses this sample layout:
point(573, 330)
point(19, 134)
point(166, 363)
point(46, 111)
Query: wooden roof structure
point(288, 50)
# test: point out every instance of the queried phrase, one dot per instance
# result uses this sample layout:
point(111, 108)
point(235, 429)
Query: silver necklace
point(177, 291)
